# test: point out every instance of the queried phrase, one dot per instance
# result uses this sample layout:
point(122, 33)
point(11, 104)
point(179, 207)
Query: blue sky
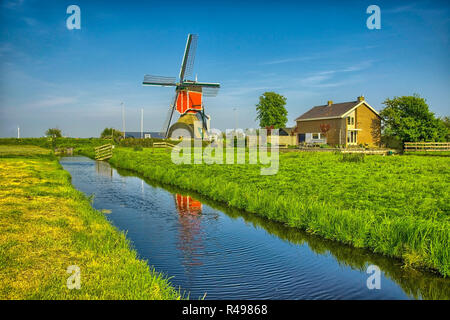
point(310, 52)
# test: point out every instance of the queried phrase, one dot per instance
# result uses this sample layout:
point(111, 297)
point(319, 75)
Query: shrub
point(353, 157)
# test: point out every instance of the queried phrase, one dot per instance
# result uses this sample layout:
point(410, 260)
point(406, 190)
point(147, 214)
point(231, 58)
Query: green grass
point(46, 226)
point(23, 151)
point(57, 143)
point(353, 157)
point(429, 153)
point(395, 205)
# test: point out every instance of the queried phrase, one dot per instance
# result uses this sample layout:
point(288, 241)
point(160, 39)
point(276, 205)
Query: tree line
point(405, 119)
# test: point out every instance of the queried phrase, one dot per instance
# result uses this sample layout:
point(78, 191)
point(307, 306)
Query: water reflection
point(103, 169)
point(190, 235)
point(210, 248)
point(416, 284)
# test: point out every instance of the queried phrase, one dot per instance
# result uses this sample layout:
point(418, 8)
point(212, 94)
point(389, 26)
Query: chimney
point(330, 102)
point(360, 98)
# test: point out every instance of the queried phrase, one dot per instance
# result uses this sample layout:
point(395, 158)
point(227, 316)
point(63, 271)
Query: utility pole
point(235, 119)
point(142, 123)
point(123, 119)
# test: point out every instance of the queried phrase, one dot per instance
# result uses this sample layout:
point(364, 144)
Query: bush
point(392, 142)
point(131, 142)
point(56, 142)
point(138, 148)
point(353, 157)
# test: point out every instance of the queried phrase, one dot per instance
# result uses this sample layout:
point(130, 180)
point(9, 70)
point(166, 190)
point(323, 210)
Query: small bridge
point(164, 145)
point(103, 152)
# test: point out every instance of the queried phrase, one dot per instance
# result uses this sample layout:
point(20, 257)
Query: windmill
point(188, 96)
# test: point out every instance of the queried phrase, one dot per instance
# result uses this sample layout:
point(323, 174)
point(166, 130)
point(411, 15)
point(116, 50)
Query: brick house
point(347, 123)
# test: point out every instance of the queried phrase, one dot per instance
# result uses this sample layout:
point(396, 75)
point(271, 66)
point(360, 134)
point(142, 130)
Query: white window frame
point(352, 137)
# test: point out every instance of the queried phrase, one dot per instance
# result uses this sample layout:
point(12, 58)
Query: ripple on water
point(229, 254)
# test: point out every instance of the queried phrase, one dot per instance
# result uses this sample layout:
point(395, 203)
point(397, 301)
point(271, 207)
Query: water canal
point(207, 247)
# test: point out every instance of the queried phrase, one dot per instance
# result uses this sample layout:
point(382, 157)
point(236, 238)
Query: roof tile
point(326, 111)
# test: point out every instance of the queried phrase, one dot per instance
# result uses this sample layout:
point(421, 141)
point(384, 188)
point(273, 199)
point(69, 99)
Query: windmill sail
point(187, 64)
point(210, 91)
point(188, 93)
point(151, 80)
point(166, 125)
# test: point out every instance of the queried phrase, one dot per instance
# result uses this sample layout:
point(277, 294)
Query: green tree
point(409, 119)
point(446, 122)
point(107, 133)
point(271, 110)
point(53, 133)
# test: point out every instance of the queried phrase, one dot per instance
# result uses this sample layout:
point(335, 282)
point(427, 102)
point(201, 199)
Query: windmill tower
point(188, 99)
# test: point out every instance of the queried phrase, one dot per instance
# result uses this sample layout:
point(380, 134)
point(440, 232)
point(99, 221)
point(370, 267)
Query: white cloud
point(30, 21)
point(5, 48)
point(13, 4)
point(53, 101)
point(287, 60)
point(327, 78)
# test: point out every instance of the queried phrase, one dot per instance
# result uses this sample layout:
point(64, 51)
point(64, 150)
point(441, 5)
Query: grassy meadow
point(46, 226)
point(395, 205)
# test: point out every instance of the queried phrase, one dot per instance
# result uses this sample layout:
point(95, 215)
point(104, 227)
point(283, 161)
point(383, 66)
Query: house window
point(351, 136)
point(316, 136)
point(350, 120)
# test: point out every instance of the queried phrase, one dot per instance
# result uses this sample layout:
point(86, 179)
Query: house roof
point(336, 110)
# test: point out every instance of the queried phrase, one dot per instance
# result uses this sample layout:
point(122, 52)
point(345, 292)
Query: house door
point(301, 137)
point(352, 137)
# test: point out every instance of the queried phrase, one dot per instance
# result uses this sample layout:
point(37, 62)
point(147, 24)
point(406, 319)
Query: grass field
point(395, 205)
point(46, 226)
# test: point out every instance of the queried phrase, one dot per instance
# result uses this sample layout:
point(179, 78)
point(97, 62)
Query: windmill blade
point(205, 84)
point(187, 64)
point(151, 80)
point(166, 126)
point(210, 91)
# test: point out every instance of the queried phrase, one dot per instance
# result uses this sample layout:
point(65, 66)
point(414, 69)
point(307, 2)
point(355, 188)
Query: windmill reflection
point(104, 169)
point(190, 216)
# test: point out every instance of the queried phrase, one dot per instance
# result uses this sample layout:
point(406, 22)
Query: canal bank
point(54, 245)
point(208, 247)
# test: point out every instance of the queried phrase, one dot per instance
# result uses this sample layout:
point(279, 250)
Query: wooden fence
point(370, 151)
point(103, 152)
point(164, 145)
point(427, 146)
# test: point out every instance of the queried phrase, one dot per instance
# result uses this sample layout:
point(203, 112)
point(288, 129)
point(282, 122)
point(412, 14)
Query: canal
point(211, 250)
